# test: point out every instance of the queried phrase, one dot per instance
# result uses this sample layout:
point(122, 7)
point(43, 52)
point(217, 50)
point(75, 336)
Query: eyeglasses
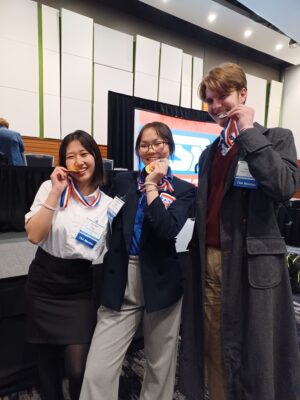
point(157, 146)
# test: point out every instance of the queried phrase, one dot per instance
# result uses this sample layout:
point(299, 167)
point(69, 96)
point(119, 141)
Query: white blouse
point(66, 223)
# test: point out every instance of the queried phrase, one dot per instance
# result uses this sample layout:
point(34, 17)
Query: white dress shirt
point(61, 240)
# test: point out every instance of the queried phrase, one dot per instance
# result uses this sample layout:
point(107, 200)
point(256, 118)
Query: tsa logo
point(188, 148)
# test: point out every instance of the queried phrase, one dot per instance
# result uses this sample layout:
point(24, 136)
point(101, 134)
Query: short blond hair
point(3, 122)
point(223, 79)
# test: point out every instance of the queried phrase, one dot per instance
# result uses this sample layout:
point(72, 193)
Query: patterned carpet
point(132, 373)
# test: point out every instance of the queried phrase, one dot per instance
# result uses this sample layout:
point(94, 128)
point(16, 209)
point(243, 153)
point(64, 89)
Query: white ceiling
point(232, 25)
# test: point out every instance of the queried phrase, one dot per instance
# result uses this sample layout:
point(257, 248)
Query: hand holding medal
point(157, 169)
point(59, 179)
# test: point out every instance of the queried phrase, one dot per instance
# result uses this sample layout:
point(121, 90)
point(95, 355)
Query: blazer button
point(111, 271)
point(116, 250)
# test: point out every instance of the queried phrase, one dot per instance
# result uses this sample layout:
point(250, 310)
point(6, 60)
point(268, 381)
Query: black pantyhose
point(56, 361)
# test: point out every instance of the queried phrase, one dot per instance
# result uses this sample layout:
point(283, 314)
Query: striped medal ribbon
point(164, 185)
point(228, 136)
point(72, 189)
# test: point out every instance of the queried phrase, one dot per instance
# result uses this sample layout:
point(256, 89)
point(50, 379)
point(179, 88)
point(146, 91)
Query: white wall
point(256, 98)
point(19, 68)
point(291, 103)
point(76, 72)
point(51, 72)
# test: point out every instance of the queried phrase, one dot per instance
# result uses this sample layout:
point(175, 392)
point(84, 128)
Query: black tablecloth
point(18, 186)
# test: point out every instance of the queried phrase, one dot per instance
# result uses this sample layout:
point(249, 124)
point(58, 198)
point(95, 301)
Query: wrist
point(45, 205)
point(149, 183)
point(152, 190)
point(55, 193)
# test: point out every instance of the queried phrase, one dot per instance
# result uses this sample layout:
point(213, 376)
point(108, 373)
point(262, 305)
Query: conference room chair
point(39, 160)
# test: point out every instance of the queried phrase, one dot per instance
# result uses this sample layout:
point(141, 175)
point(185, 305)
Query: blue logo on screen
point(188, 148)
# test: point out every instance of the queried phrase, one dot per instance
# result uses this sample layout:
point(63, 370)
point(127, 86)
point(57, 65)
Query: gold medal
point(149, 168)
point(74, 169)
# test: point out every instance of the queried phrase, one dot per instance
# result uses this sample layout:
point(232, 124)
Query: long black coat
point(258, 325)
point(160, 268)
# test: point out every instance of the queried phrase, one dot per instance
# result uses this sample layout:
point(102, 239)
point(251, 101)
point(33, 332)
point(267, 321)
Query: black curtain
point(121, 123)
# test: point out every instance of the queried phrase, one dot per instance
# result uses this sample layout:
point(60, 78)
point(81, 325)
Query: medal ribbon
point(72, 189)
point(228, 136)
point(164, 185)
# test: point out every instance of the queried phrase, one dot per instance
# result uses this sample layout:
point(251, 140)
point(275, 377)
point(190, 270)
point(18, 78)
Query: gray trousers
point(113, 335)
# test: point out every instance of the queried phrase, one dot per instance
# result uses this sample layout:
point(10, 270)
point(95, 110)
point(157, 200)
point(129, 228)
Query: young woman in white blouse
point(68, 221)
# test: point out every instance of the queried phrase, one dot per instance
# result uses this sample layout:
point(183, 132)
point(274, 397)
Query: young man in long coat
point(239, 333)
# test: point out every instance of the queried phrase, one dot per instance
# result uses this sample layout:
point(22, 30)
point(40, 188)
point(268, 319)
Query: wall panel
point(77, 34)
point(113, 48)
point(197, 77)
point(51, 72)
point(75, 114)
point(170, 74)
point(274, 106)
point(147, 53)
point(19, 21)
point(76, 62)
point(21, 109)
point(107, 79)
point(290, 103)
point(186, 81)
point(19, 74)
point(256, 98)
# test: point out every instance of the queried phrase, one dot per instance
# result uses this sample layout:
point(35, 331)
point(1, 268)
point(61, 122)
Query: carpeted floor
point(132, 373)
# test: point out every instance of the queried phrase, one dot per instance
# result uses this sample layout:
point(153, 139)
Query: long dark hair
point(91, 146)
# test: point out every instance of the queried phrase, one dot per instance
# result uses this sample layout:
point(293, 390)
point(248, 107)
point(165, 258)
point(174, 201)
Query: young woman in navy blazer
point(142, 277)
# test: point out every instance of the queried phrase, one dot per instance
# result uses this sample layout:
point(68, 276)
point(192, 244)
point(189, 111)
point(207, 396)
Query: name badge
point(91, 233)
point(167, 199)
point(114, 208)
point(243, 177)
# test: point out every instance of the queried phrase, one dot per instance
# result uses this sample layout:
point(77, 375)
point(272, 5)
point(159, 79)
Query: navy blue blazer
point(11, 145)
point(160, 268)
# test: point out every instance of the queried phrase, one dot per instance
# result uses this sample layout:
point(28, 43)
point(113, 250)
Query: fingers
point(244, 115)
point(59, 174)
point(160, 169)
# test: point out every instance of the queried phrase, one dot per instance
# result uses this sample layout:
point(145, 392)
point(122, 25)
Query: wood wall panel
point(49, 146)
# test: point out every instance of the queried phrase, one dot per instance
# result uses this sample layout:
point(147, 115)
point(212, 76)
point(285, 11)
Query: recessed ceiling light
point(211, 17)
point(165, 1)
point(279, 46)
point(248, 33)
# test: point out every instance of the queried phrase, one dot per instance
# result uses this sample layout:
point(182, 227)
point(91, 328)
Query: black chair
point(39, 160)
point(3, 160)
point(108, 165)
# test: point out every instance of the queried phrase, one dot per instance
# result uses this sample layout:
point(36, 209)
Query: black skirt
point(59, 304)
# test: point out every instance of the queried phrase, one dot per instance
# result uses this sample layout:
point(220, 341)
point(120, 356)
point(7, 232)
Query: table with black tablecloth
point(18, 186)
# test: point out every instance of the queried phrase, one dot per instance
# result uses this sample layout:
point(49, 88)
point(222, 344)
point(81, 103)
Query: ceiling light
point(293, 44)
point(279, 46)
point(248, 33)
point(211, 17)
